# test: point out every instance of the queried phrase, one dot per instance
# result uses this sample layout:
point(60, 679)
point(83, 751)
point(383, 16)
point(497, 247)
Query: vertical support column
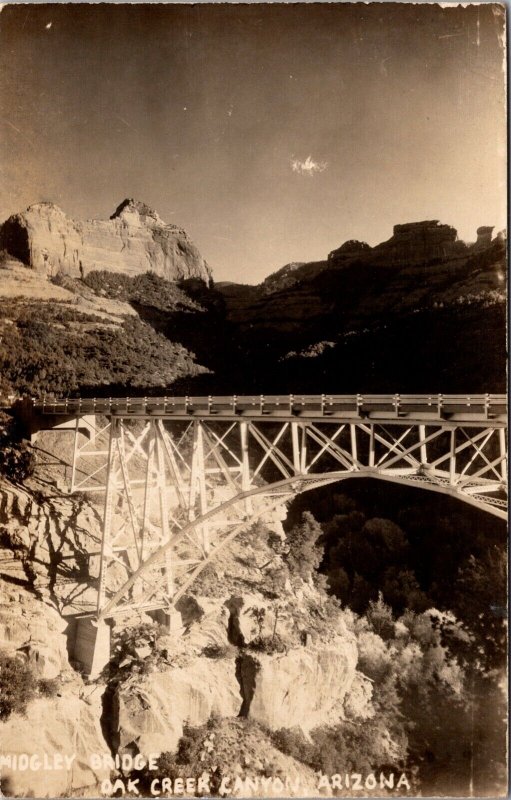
point(198, 480)
point(353, 436)
point(303, 458)
point(295, 440)
point(108, 512)
point(147, 488)
point(121, 450)
point(503, 454)
point(192, 495)
point(245, 466)
point(174, 468)
point(423, 447)
point(164, 511)
point(452, 458)
point(75, 455)
point(371, 446)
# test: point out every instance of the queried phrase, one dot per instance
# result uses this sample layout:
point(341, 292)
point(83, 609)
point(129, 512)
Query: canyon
point(258, 660)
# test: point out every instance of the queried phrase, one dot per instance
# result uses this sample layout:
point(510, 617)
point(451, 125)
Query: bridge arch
point(292, 487)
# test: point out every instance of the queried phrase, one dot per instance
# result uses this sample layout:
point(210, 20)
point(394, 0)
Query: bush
point(63, 351)
point(17, 461)
point(135, 650)
point(17, 686)
point(292, 742)
point(218, 651)
point(268, 644)
point(49, 687)
point(146, 290)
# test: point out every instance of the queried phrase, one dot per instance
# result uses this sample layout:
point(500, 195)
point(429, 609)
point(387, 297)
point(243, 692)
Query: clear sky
point(271, 133)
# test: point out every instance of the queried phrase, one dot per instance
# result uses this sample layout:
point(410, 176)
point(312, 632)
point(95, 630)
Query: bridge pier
point(170, 620)
point(91, 645)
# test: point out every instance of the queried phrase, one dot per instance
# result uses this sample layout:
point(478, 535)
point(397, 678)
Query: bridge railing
point(325, 404)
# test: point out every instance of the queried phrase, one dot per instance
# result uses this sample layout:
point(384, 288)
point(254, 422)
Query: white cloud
point(308, 167)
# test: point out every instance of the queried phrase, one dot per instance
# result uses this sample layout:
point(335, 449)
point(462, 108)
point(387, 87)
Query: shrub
point(16, 459)
point(218, 651)
point(292, 742)
point(17, 686)
point(49, 687)
point(380, 617)
point(147, 290)
point(268, 644)
point(134, 651)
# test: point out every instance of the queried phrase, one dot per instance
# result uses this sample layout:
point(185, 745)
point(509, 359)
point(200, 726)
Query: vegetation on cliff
point(147, 289)
point(58, 349)
point(427, 580)
point(17, 460)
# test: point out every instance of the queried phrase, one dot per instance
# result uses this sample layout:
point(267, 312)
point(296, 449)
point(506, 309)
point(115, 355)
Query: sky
point(271, 133)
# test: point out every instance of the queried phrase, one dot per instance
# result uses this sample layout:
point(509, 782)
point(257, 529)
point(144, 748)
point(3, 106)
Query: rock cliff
point(420, 243)
point(134, 240)
point(60, 726)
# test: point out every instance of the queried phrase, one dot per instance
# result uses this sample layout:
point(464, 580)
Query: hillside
point(67, 336)
point(381, 314)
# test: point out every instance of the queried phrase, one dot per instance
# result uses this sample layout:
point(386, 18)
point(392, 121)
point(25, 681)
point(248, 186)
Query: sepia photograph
point(253, 409)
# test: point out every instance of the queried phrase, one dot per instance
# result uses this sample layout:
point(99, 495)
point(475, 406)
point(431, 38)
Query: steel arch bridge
point(182, 477)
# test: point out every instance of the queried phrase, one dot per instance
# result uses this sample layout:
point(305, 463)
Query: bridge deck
point(397, 407)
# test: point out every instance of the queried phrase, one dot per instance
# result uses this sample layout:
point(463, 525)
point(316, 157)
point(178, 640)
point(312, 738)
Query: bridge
point(183, 476)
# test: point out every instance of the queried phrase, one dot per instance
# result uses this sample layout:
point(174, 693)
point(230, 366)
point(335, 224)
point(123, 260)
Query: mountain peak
point(131, 205)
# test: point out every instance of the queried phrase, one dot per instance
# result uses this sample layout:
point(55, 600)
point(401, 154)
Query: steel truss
point(178, 491)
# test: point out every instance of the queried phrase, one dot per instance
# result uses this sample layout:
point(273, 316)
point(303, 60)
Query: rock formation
point(350, 248)
point(63, 728)
point(134, 240)
point(304, 687)
point(484, 234)
point(419, 242)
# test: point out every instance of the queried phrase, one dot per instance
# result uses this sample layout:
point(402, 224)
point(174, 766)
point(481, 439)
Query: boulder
point(133, 241)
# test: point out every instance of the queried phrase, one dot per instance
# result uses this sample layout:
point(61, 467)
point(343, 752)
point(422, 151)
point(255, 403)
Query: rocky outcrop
point(420, 243)
point(150, 715)
point(32, 631)
point(133, 241)
point(350, 248)
point(484, 234)
point(305, 687)
point(62, 732)
point(45, 542)
point(284, 277)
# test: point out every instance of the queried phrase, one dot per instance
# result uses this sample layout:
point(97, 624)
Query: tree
point(304, 554)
